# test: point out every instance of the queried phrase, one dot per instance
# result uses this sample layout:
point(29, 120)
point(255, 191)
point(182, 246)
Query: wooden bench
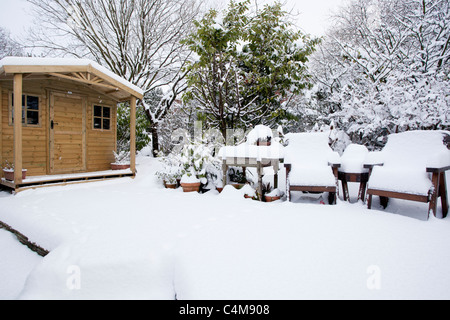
point(332, 190)
point(422, 150)
point(311, 165)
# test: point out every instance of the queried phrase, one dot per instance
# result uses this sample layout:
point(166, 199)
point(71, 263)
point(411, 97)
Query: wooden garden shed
point(69, 120)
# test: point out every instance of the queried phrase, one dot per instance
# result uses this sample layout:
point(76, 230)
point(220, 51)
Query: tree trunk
point(223, 130)
point(155, 142)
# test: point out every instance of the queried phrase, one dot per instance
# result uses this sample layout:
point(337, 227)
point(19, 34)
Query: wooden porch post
point(224, 172)
point(133, 135)
point(259, 170)
point(17, 128)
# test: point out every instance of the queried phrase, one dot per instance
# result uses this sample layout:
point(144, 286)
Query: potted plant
point(8, 171)
point(198, 162)
point(249, 192)
point(237, 178)
point(170, 174)
point(260, 135)
point(219, 186)
point(122, 160)
point(274, 195)
point(190, 182)
point(170, 181)
point(264, 141)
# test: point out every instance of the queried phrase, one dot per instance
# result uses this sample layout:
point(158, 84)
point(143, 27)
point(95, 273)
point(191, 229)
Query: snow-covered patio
point(133, 239)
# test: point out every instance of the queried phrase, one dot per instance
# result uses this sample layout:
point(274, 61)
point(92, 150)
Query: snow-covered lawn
point(133, 239)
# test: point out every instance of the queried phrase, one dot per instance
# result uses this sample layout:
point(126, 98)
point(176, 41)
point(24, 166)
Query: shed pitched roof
point(81, 70)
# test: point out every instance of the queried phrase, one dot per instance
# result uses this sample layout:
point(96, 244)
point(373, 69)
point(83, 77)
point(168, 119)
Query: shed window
point(30, 110)
point(102, 118)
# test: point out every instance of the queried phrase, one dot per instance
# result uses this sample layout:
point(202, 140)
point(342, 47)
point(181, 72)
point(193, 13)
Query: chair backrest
point(414, 148)
point(307, 148)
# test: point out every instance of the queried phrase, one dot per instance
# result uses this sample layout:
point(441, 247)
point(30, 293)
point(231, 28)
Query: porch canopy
point(82, 71)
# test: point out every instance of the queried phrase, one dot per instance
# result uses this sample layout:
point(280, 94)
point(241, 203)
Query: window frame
point(25, 110)
point(102, 117)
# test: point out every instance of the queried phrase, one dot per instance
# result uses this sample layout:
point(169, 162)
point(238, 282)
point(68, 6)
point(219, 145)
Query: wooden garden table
point(361, 177)
point(259, 164)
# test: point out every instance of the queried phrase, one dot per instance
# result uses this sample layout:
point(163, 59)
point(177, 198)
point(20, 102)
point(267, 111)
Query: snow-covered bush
point(8, 166)
point(275, 193)
point(249, 191)
point(172, 169)
point(122, 157)
point(383, 68)
point(237, 175)
point(197, 160)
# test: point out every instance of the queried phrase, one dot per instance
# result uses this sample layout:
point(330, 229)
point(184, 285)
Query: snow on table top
point(244, 150)
point(405, 159)
point(352, 160)
point(33, 61)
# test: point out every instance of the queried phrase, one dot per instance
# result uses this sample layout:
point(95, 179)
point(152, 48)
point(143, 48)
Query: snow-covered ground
point(133, 239)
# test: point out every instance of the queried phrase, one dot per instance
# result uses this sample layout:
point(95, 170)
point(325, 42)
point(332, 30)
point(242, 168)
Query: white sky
point(313, 14)
point(14, 16)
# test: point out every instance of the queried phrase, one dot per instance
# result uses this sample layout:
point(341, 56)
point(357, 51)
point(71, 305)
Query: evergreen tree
point(123, 128)
point(247, 65)
point(273, 62)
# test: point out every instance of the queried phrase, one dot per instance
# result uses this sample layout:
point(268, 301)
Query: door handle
point(52, 124)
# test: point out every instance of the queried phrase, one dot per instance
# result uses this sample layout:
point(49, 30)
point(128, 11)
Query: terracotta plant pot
point(9, 175)
point(191, 187)
point(237, 185)
point(170, 185)
point(219, 189)
point(270, 199)
point(263, 143)
point(115, 166)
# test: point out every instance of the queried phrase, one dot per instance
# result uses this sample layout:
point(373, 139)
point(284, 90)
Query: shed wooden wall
point(36, 149)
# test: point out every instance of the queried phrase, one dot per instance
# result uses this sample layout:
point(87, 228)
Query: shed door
point(67, 133)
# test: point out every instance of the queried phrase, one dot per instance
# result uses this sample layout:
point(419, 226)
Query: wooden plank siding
point(34, 139)
point(100, 143)
point(94, 151)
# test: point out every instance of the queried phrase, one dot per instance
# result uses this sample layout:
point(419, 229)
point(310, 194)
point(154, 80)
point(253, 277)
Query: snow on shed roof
point(11, 65)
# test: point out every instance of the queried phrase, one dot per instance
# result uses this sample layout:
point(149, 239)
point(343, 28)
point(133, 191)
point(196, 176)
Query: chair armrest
point(439, 162)
point(371, 165)
point(334, 160)
point(374, 158)
point(334, 165)
point(438, 169)
point(288, 167)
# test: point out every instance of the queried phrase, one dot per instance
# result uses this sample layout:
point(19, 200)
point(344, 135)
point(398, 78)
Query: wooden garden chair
point(311, 165)
point(412, 166)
